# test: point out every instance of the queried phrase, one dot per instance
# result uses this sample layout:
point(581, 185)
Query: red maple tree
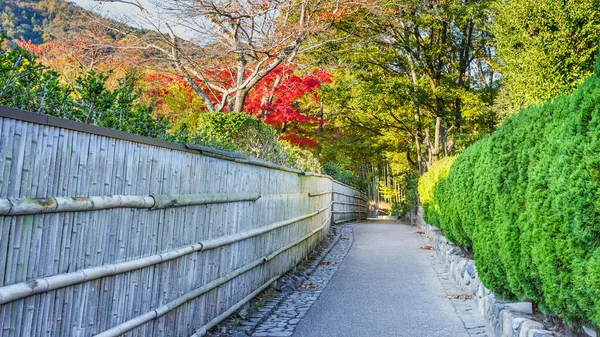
point(275, 98)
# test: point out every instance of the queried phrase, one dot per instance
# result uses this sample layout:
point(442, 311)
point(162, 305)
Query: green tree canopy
point(546, 47)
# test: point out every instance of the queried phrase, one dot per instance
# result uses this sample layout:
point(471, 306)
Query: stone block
point(528, 326)
point(474, 287)
point(524, 307)
point(540, 333)
point(518, 322)
point(512, 322)
point(589, 331)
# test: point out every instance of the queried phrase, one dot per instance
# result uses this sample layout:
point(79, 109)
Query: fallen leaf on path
point(327, 263)
point(427, 248)
point(420, 232)
point(309, 286)
point(343, 239)
point(459, 297)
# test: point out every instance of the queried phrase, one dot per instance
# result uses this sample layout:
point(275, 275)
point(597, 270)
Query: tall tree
point(243, 40)
point(546, 47)
point(424, 70)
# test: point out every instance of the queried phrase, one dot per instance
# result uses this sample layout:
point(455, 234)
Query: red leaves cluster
point(33, 48)
point(273, 99)
point(300, 141)
point(283, 88)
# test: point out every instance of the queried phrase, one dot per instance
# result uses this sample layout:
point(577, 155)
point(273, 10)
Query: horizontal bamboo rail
point(204, 329)
point(346, 212)
point(41, 285)
point(347, 220)
point(162, 310)
point(352, 196)
point(349, 203)
point(25, 206)
point(339, 193)
point(319, 193)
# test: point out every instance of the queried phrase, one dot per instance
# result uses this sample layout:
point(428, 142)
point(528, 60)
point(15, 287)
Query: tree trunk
point(438, 139)
point(239, 100)
point(419, 153)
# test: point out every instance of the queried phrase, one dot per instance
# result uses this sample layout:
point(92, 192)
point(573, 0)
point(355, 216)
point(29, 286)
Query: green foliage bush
point(28, 85)
point(546, 48)
point(340, 174)
point(438, 171)
point(527, 200)
point(240, 132)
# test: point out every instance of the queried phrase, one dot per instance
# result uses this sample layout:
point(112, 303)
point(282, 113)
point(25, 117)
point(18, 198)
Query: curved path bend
point(384, 286)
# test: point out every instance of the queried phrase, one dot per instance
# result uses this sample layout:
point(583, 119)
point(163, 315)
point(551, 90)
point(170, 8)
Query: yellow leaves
point(473, 105)
point(387, 192)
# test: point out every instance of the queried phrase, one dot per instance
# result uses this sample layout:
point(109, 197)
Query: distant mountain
point(25, 18)
point(39, 21)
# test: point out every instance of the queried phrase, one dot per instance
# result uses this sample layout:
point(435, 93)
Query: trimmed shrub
point(240, 132)
point(340, 174)
point(527, 201)
point(427, 182)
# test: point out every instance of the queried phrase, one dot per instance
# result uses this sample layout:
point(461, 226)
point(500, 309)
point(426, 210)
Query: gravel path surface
point(376, 282)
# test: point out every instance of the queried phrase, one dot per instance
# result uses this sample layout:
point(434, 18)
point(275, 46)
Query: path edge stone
point(507, 319)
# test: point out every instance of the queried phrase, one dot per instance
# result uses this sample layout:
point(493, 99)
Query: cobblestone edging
point(285, 317)
point(289, 283)
point(506, 319)
point(466, 308)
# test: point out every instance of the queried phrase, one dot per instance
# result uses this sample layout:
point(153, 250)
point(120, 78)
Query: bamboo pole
point(24, 206)
point(352, 196)
point(345, 212)
point(347, 220)
point(181, 200)
point(204, 329)
point(349, 203)
point(319, 193)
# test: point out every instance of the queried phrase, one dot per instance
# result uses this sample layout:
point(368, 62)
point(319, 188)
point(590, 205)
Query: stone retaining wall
point(506, 319)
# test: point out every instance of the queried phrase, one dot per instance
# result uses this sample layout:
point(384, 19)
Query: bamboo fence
point(106, 233)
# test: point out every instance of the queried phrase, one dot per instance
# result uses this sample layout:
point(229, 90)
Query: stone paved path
point(289, 313)
point(376, 282)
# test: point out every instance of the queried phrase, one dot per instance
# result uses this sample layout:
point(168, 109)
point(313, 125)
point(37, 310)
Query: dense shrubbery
point(340, 174)
point(427, 182)
point(527, 200)
point(243, 133)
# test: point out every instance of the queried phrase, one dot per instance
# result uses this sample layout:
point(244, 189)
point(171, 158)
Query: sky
point(104, 6)
point(128, 14)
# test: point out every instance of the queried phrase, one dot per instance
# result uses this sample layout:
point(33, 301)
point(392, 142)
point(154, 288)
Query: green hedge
point(527, 201)
point(438, 171)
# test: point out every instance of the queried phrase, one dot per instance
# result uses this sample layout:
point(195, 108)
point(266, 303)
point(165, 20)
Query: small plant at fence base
point(527, 201)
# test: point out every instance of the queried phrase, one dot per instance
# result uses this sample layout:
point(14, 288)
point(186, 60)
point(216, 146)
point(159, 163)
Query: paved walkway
point(384, 286)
